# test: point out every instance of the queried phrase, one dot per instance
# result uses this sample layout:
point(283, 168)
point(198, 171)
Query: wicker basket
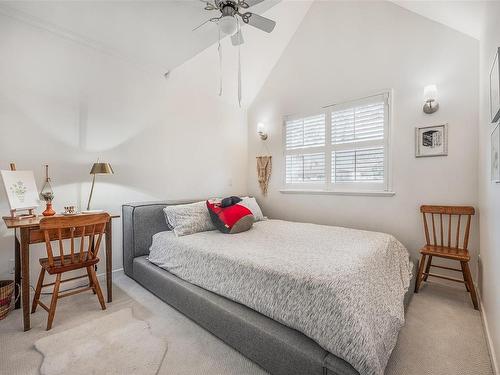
point(6, 292)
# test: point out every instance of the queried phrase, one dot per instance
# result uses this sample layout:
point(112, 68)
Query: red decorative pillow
point(230, 219)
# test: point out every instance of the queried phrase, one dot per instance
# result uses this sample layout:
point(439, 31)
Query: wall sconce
point(261, 130)
point(430, 96)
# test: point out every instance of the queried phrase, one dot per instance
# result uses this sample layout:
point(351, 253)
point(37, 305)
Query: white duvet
point(343, 288)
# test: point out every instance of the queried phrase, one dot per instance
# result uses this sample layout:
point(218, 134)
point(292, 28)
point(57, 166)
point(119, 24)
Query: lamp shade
point(101, 168)
point(430, 92)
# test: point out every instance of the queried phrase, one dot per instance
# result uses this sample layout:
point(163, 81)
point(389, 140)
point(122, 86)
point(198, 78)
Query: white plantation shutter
point(302, 168)
point(358, 165)
point(358, 123)
point(303, 134)
point(344, 148)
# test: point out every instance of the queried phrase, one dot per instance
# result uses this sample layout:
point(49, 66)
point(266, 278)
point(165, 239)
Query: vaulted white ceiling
point(159, 33)
point(158, 36)
point(464, 16)
point(155, 33)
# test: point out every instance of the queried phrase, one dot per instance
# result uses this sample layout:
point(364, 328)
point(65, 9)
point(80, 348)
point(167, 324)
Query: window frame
point(355, 188)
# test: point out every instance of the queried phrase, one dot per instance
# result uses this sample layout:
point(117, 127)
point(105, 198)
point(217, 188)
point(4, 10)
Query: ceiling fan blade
point(262, 23)
point(248, 3)
point(237, 39)
point(207, 21)
point(209, 5)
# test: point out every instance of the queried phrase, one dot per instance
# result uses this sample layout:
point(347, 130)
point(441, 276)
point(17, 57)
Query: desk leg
point(17, 268)
point(109, 261)
point(25, 277)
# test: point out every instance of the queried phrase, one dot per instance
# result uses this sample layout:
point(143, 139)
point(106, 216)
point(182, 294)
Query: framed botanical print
point(21, 190)
point(431, 140)
point(495, 88)
point(495, 154)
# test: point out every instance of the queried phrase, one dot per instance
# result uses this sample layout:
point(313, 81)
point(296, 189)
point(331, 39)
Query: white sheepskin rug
point(115, 344)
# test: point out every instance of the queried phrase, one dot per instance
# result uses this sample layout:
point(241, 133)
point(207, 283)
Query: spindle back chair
point(88, 230)
point(445, 241)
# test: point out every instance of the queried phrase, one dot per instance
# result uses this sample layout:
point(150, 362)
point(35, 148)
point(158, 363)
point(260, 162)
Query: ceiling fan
point(228, 20)
point(229, 24)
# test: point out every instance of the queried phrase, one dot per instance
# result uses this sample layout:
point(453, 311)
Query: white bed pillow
point(252, 205)
point(190, 218)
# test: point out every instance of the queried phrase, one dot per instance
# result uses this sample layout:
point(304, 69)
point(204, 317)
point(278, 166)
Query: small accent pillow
point(230, 219)
point(229, 201)
point(187, 219)
point(252, 205)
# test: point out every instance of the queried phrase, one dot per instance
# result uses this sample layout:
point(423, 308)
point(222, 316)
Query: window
point(343, 148)
point(304, 138)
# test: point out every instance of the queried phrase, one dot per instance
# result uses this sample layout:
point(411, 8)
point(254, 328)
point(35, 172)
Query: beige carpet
point(115, 344)
point(443, 335)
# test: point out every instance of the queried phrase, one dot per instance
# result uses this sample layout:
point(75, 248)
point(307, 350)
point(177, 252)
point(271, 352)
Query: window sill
point(330, 192)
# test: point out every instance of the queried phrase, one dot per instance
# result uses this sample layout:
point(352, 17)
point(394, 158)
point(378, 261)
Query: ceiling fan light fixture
point(228, 25)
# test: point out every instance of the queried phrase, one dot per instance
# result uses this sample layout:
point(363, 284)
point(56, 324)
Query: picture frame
point(21, 190)
point(495, 154)
point(495, 88)
point(431, 140)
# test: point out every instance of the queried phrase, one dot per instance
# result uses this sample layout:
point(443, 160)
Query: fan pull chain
point(219, 49)
point(239, 63)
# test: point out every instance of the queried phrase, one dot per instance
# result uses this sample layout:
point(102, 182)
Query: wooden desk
point(27, 232)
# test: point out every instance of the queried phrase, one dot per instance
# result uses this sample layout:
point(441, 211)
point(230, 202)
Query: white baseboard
point(102, 274)
point(489, 342)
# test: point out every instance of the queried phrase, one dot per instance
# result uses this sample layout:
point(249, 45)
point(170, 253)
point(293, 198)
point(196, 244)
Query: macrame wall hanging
point(264, 167)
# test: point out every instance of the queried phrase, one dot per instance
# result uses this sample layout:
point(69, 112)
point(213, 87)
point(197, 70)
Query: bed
point(252, 297)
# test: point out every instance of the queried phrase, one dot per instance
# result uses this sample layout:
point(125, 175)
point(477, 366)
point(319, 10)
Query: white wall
point(66, 104)
point(489, 193)
point(347, 50)
point(65, 100)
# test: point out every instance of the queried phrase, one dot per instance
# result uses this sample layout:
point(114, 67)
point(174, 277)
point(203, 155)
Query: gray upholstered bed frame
point(275, 347)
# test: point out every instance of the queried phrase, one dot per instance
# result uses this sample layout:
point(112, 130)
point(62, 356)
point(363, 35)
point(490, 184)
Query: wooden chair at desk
point(72, 227)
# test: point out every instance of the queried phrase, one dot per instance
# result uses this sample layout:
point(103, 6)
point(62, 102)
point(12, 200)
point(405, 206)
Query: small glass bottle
point(47, 194)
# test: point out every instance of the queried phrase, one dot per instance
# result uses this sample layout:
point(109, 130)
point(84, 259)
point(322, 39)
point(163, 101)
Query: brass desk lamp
point(98, 168)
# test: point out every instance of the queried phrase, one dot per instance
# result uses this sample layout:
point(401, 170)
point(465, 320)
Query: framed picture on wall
point(495, 88)
point(431, 140)
point(495, 154)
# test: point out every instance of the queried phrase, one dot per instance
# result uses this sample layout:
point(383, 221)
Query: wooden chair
point(444, 248)
point(84, 227)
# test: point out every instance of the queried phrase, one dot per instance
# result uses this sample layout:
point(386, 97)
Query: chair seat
point(58, 267)
point(446, 252)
